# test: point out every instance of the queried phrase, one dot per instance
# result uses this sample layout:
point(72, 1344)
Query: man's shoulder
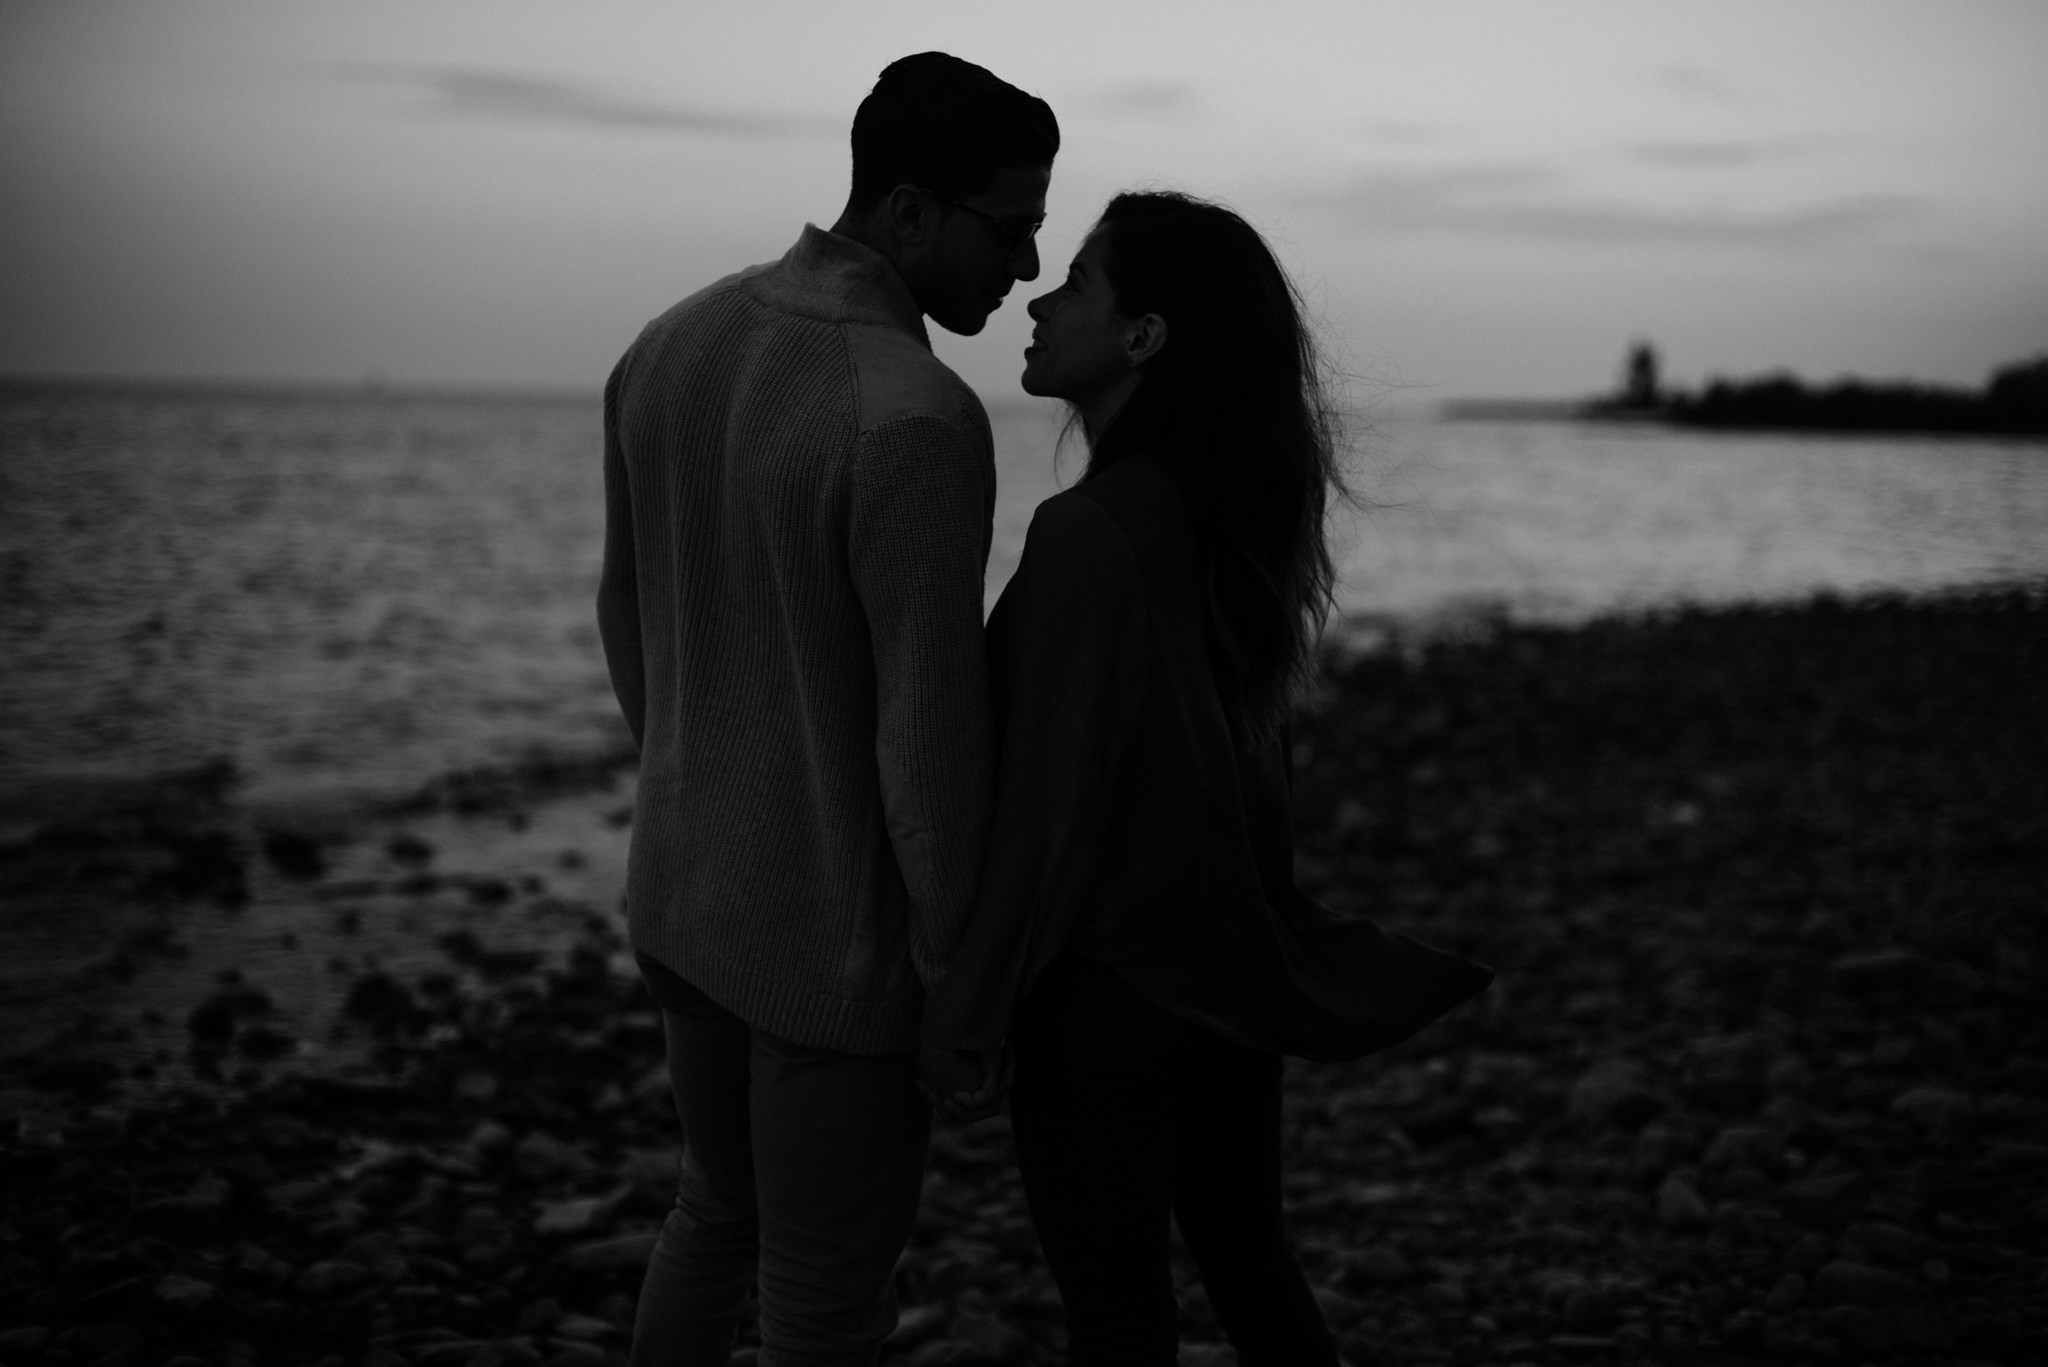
point(896, 376)
point(692, 306)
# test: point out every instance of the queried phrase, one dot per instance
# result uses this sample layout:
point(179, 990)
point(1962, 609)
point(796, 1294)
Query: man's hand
point(964, 1084)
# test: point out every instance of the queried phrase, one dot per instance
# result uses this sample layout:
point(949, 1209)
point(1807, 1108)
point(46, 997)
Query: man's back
point(798, 500)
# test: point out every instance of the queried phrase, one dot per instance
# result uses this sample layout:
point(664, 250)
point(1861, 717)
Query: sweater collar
point(841, 281)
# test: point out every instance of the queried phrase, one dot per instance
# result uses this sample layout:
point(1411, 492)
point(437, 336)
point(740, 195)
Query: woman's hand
point(964, 1084)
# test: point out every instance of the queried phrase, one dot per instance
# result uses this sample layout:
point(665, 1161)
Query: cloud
point(1698, 83)
point(1149, 99)
point(483, 92)
point(1407, 132)
point(1533, 203)
point(1709, 156)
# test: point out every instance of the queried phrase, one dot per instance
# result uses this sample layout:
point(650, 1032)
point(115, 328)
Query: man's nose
point(1024, 261)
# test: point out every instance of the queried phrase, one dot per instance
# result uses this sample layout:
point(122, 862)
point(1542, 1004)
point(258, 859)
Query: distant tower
point(1639, 378)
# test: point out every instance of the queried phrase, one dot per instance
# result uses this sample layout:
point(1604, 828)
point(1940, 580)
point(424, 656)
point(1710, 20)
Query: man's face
point(980, 245)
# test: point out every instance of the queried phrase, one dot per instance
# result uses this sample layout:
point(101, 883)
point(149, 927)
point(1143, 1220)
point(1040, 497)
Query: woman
point(1137, 914)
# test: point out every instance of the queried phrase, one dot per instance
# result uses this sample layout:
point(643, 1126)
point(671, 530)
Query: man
point(798, 509)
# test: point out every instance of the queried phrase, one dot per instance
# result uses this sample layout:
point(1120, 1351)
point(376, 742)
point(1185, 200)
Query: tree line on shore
point(2013, 399)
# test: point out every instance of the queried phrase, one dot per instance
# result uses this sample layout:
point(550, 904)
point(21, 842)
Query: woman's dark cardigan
point(1132, 827)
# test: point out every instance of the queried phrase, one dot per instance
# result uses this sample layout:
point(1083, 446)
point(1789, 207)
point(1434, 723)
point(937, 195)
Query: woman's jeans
point(801, 1168)
point(1124, 1112)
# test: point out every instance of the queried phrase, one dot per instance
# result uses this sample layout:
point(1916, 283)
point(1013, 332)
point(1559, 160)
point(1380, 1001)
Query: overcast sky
point(1478, 198)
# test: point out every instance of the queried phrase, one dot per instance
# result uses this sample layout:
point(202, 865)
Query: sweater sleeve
point(618, 589)
point(1073, 671)
point(917, 549)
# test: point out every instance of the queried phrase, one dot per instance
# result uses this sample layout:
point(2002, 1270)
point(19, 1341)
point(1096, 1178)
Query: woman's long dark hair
point(1235, 406)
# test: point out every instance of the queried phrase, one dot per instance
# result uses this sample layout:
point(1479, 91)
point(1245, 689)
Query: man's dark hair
point(946, 126)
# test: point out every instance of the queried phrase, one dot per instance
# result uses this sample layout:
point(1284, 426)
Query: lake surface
point(346, 595)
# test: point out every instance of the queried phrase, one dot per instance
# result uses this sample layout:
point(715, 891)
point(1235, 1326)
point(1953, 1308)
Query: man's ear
point(910, 214)
point(1144, 339)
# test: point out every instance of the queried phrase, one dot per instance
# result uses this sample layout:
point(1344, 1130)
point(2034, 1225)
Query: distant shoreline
point(2012, 403)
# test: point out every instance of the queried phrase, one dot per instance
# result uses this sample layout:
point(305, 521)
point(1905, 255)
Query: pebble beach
point(1764, 1076)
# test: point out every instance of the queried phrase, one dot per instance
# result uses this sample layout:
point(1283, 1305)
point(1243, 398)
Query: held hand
point(964, 1084)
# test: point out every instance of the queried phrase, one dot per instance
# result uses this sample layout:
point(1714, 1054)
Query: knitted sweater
point(798, 502)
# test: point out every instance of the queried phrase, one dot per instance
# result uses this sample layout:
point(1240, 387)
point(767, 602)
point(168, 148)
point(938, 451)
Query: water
point(345, 595)
point(342, 598)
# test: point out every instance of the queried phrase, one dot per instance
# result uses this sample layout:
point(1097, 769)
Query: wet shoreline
point(1764, 1076)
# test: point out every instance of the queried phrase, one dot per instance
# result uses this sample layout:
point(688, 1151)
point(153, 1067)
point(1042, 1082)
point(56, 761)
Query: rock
point(539, 1316)
point(1935, 1109)
point(915, 1324)
point(1742, 1146)
point(92, 1341)
point(1744, 1329)
point(946, 1353)
point(2019, 1155)
point(24, 1342)
point(186, 1295)
point(1883, 970)
point(1585, 1345)
point(409, 850)
point(1825, 1202)
point(332, 1279)
point(295, 855)
point(1789, 1076)
point(476, 1085)
point(1590, 1309)
point(588, 1327)
point(1871, 1330)
point(655, 1087)
point(213, 1020)
point(264, 1042)
point(1339, 1310)
point(625, 1252)
point(1886, 1241)
point(1381, 1265)
point(1787, 1293)
point(381, 1002)
point(1613, 1092)
point(490, 1137)
point(577, 1216)
point(1986, 1333)
point(989, 1336)
point(1680, 1205)
point(1846, 1283)
point(655, 1169)
point(573, 1354)
point(196, 1210)
point(1439, 1121)
point(1207, 1355)
point(1925, 1329)
point(540, 1156)
point(515, 1352)
point(286, 1134)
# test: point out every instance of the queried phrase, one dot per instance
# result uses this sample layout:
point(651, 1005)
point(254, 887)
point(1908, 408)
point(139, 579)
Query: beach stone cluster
point(1764, 1078)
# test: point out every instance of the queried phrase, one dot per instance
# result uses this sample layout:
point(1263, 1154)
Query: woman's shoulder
point(1075, 524)
point(1147, 506)
point(1136, 486)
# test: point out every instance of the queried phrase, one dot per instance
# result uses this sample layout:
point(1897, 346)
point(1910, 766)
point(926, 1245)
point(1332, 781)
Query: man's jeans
point(801, 1171)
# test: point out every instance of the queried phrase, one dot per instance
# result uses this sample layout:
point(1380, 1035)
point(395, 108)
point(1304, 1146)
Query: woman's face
point(1080, 346)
